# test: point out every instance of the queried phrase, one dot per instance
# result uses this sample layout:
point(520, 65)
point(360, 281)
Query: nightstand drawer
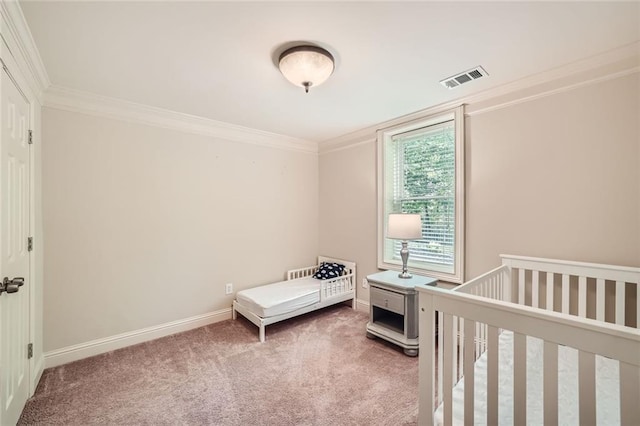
point(388, 300)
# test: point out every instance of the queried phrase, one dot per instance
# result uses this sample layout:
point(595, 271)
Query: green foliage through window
point(424, 183)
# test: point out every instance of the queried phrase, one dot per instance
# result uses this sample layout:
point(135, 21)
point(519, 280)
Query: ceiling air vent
point(464, 77)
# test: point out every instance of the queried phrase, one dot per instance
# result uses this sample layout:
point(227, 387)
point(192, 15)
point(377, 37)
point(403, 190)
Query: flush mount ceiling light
point(306, 66)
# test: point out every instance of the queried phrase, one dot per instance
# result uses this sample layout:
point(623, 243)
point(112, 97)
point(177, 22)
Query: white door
point(14, 253)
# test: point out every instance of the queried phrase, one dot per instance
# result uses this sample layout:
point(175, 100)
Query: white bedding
point(280, 298)
point(607, 387)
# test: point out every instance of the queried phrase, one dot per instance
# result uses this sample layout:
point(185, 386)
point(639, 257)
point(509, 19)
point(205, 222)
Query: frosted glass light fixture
point(306, 66)
point(404, 226)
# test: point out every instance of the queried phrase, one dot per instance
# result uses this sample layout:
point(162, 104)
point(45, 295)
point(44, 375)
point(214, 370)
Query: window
point(421, 170)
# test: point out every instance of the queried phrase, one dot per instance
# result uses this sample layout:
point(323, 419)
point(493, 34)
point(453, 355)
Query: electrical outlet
point(228, 288)
point(365, 283)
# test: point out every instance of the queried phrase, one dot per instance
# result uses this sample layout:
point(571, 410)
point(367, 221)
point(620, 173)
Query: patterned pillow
point(328, 270)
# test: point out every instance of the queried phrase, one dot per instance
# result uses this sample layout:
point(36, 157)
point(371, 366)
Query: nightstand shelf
point(393, 313)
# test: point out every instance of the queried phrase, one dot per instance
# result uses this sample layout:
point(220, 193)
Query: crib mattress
point(607, 387)
point(281, 297)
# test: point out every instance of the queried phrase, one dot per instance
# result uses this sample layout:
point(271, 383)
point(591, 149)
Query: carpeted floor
point(318, 369)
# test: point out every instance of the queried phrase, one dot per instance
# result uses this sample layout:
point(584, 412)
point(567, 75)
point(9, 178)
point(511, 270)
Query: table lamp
point(404, 226)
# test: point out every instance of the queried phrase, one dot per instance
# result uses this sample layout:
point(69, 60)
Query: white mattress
point(607, 387)
point(280, 298)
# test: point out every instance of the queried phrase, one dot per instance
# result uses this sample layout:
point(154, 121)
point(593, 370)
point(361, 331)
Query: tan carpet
point(318, 369)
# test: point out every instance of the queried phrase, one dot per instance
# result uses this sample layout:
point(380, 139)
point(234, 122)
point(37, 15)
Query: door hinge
point(30, 244)
point(30, 351)
point(30, 137)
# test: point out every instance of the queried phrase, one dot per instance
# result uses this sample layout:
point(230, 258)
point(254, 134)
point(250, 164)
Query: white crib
point(534, 341)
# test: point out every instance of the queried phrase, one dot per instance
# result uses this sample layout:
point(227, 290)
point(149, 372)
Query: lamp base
point(404, 255)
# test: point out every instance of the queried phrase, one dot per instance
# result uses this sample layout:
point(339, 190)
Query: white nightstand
point(393, 313)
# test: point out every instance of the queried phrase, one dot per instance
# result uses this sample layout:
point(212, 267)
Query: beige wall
point(348, 208)
point(146, 225)
point(555, 176)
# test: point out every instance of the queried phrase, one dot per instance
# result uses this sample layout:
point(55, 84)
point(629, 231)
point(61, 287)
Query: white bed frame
point(590, 315)
point(332, 291)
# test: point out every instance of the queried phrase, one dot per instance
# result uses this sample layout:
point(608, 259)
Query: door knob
point(11, 286)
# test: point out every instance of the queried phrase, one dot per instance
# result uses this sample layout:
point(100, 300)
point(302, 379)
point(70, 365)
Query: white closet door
point(14, 253)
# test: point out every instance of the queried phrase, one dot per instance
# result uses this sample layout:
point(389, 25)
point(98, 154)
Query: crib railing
point(495, 284)
point(471, 320)
point(589, 337)
point(587, 290)
point(560, 286)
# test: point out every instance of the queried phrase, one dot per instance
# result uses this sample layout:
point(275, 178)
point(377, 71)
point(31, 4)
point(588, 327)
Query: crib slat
point(535, 283)
point(600, 299)
point(431, 397)
point(565, 293)
point(587, 388)
point(427, 361)
point(550, 286)
point(469, 380)
point(629, 394)
point(440, 368)
point(483, 338)
point(506, 280)
point(447, 369)
point(461, 341)
point(550, 383)
point(492, 376)
point(620, 290)
point(582, 297)
point(454, 348)
point(521, 286)
point(519, 379)
point(490, 284)
point(477, 340)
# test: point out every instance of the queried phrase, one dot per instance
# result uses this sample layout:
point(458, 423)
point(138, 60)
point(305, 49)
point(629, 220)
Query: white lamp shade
point(404, 226)
point(306, 66)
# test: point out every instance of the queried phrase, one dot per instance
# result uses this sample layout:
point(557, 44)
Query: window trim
point(385, 135)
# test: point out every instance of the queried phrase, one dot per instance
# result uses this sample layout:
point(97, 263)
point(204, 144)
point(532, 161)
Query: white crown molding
point(610, 57)
point(551, 92)
point(357, 140)
point(102, 106)
point(22, 46)
point(107, 344)
point(19, 40)
point(368, 134)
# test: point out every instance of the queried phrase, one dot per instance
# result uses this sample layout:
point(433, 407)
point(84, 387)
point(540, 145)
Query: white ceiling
point(216, 60)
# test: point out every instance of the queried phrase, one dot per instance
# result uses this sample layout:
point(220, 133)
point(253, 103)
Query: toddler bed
point(534, 341)
point(307, 289)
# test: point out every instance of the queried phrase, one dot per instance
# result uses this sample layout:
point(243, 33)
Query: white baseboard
point(38, 369)
point(361, 305)
point(107, 344)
